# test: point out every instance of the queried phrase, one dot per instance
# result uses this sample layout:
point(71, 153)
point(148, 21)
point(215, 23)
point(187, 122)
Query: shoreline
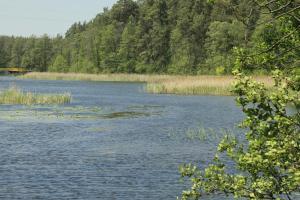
point(158, 84)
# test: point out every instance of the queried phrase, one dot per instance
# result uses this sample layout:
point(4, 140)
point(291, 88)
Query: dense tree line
point(156, 36)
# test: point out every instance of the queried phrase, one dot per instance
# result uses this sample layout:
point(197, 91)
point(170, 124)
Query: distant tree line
point(159, 36)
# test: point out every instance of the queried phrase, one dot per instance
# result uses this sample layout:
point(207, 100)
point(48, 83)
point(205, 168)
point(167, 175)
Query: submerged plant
point(203, 134)
point(14, 95)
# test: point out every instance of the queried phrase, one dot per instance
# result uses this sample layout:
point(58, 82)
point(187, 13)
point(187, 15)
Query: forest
point(162, 37)
point(107, 134)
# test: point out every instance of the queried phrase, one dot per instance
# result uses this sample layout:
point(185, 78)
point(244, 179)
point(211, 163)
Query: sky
point(52, 17)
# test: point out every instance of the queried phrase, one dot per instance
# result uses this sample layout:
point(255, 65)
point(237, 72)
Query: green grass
point(15, 96)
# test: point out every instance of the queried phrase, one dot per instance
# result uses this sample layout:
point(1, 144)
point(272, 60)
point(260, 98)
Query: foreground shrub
point(267, 164)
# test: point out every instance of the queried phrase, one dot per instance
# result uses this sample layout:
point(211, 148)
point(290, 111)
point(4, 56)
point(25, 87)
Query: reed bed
point(14, 95)
point(199, 85)
point(159, 84)
point(95, 77)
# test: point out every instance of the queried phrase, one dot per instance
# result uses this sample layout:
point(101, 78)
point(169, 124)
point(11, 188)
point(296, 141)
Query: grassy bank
point(15, 95)
point(159, 84)
point(95, 77)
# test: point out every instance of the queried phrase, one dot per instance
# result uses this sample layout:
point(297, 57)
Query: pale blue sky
point(27, 17)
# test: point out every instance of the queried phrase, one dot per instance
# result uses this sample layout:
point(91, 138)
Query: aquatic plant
point(14, 95)
point(207, 134)
point(198, 85)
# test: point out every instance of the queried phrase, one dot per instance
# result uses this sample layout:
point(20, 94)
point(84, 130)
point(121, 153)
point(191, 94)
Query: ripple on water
point(112, 142)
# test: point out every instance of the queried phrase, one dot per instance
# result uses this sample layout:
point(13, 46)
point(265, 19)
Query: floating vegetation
point(145, 107)
point(15, 96)
point(68, 113)
point(83, 108)
point(201, 134)
point(125, 115)
point(50, 114)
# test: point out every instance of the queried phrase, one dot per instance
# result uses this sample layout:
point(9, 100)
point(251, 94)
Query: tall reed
point(195, 85)
point(14, 95)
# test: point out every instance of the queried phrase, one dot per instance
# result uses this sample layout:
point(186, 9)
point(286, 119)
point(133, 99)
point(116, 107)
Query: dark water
point(114, 141)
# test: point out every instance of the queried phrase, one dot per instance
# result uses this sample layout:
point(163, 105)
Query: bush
point(220, 70)
point(268, 162)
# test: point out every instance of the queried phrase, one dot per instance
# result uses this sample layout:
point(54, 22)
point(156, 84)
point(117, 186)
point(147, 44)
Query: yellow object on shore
point(14, 70)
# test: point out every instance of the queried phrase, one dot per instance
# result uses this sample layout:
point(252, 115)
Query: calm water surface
point(114, 141)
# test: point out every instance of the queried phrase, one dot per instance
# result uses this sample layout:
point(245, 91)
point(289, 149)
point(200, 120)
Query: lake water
point(114, 141)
